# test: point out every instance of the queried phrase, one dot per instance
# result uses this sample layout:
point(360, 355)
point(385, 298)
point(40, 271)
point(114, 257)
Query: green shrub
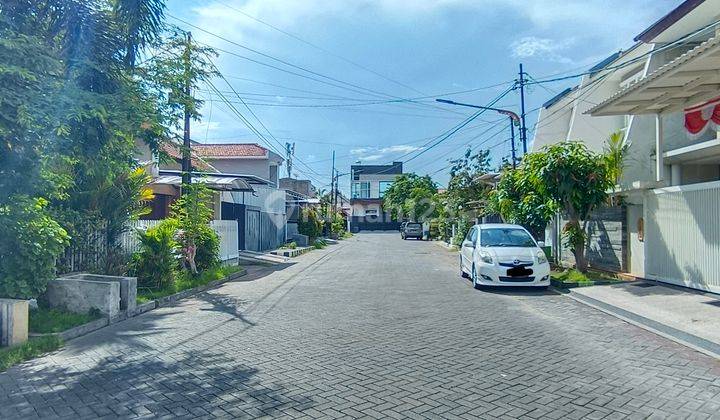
point(290, 245)
point(194, 211)
point(155, 264)
point(319, 244)
point(207, 254)
point(339, 223)
point(310, 223)
point(30, 241)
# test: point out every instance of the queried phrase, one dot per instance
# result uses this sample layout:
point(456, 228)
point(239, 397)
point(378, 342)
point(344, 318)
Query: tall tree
point(411, 196)
point(577, 180)
point(518, 201)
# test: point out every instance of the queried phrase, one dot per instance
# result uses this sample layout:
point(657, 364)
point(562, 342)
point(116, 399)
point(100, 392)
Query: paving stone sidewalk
point(372, 327)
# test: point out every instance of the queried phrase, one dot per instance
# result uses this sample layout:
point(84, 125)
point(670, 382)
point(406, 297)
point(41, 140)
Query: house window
point(360, 190)
point(274, 174)
point(384, 185)
point(371, 212)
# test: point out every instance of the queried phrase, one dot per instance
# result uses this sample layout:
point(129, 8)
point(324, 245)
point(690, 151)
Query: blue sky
point(396, 49)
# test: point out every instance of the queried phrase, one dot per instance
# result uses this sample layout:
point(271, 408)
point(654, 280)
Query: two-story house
point(663, 94)
point(244, 177)
point(367, 188)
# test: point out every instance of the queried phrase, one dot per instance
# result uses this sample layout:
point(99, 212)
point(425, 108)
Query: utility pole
point(523, 128)
point(186, 156)
point(290, 152)
point(333, 183)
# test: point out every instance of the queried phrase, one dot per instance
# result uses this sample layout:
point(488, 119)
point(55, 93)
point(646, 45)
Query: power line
point(368, 90)
point(678, 42)
point(347, 60)
point(368, 111)
point(448, 133)
point(466, 144)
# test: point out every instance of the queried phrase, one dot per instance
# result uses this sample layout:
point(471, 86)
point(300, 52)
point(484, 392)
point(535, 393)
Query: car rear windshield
point(413, 225)
point(506, 237)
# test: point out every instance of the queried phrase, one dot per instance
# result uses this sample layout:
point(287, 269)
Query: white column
point(659, 147)
point(675, 174)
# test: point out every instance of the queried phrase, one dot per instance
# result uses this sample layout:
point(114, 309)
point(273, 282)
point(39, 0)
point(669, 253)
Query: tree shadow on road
point(184, 384)
point(224, 303)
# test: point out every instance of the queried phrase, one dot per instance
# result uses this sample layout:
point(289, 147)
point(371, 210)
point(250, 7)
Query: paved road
point(373, 327)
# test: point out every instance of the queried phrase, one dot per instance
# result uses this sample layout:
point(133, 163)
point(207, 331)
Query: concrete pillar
point(659, 147)
point(13, 322)
point(675, 174)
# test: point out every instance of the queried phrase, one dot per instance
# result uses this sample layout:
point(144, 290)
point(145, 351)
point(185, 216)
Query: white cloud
point(367, 154)
point(200, 127)
point(543, 48)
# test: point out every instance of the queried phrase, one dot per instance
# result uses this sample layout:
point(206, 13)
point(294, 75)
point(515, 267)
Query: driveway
point(371, 327)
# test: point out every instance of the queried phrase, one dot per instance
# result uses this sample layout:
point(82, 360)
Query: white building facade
point(664, 96)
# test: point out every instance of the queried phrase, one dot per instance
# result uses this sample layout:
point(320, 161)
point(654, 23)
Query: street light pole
point(512, 141)
point(514, 119)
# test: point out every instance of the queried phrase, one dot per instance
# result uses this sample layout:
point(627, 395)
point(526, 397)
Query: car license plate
point(519, 272)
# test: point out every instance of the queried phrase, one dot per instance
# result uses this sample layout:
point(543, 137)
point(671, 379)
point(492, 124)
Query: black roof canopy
point(394, 168)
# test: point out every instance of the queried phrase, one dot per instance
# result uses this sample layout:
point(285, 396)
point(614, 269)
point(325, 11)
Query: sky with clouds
point(331, 74)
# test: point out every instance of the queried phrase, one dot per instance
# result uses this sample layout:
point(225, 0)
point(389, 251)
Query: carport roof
point(690, 79)
point(217, 183)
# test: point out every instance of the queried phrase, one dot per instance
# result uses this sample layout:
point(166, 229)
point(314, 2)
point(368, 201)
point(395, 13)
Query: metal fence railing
point(91, 253)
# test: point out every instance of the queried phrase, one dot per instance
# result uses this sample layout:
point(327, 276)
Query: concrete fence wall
point(606, 247)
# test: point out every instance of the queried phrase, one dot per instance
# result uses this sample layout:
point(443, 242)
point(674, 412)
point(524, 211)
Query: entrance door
point(252, 230)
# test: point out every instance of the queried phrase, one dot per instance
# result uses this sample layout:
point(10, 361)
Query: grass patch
point(319, 243)
point(574, 277)
point(291, 245)
point(185, 281)
point(35, 347)
point(345, 235)
point(46, 320)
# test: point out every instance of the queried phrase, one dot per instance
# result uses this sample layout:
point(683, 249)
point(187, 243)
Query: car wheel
point(463, 274)
point(474, 278)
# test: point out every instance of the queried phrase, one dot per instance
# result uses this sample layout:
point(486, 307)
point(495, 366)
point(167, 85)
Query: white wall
point(682, 235)
point(553, 123)
point(360, 209)
point(257, 167)
point(268, 199)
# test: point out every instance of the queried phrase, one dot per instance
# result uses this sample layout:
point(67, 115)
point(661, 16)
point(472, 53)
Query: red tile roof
point(173, 151)
point(230, 150)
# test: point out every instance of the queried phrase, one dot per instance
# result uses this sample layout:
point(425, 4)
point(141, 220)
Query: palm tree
point(141, 22)
point(615, 150)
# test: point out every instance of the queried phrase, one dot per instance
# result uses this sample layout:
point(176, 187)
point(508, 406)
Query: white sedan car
point(503, 255)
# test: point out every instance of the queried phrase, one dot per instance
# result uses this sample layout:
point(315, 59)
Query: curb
point(78, 331)
point(446, 246)
point(681, 337)
point(97, 324)
point(291, 253)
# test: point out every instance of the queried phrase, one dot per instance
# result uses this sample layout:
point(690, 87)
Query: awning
point(689, 80)
point(217, 183)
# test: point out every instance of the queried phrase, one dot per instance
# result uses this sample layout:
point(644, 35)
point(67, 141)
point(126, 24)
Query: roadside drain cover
point(644, 285)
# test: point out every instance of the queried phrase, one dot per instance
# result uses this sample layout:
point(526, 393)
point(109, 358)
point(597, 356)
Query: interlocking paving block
point(372, 327)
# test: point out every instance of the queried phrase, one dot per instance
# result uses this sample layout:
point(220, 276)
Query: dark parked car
point(412, 230)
